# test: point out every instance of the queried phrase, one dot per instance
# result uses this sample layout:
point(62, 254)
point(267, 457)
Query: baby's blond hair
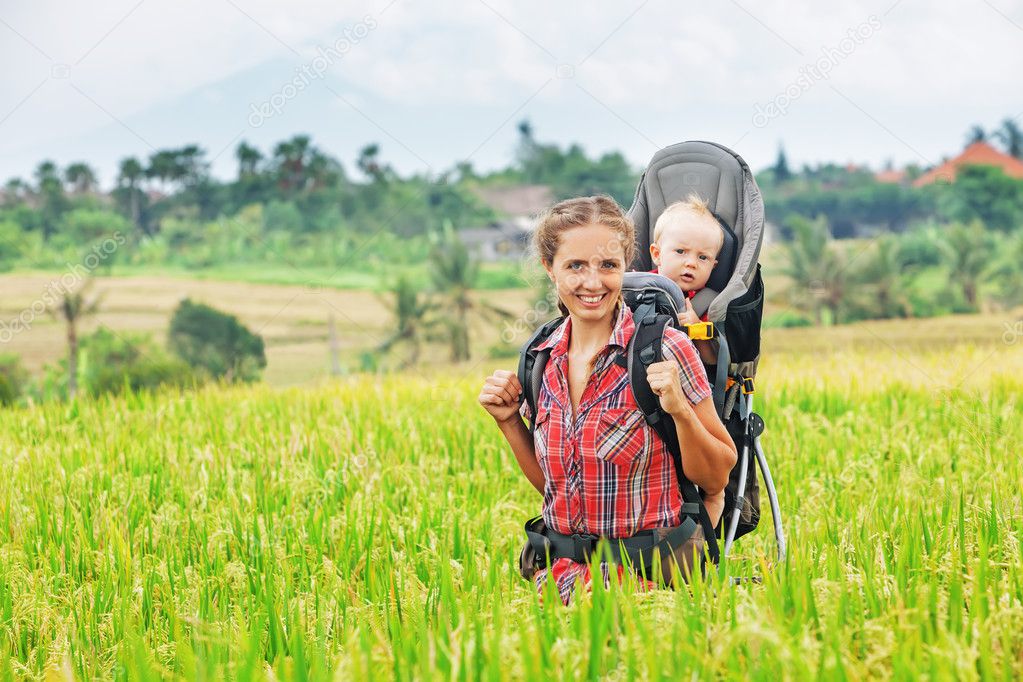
point(693, 203)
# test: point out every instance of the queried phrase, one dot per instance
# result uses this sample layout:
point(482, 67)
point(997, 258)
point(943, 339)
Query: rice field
point(370, 528)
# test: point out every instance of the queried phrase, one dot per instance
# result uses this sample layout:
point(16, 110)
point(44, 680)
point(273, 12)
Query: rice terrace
point(508, 341)
point(368, 528)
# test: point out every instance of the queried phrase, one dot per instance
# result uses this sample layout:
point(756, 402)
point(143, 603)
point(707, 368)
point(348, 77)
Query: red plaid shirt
point(606, 471)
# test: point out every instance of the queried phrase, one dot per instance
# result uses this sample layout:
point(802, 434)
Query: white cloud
point(430, 72)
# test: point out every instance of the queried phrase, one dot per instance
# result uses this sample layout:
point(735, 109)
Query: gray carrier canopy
point(733, 297)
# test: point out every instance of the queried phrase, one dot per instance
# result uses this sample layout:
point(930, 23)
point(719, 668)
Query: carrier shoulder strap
point(532, 363)
point(644, 350)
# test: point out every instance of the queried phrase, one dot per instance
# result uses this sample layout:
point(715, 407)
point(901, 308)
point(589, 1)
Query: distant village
point(508, 238)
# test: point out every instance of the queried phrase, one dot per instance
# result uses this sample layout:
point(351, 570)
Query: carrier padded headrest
point(705, 169)
point(726, 257)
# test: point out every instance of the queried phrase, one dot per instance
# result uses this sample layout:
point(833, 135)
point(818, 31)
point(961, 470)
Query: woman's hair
point(564, 215)
point(595, 210)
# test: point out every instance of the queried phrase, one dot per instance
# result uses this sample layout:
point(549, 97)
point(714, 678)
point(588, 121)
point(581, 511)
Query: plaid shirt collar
point(620, 334)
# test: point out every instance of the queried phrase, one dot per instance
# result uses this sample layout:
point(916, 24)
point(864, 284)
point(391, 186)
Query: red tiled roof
point(978, 153)
point(890, 176)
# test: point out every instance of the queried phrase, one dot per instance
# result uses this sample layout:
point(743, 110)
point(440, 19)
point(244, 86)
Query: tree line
point(932, 270)
point(293, 201)
point(295, 204)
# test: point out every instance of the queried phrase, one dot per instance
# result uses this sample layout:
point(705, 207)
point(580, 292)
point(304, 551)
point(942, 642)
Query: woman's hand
point(500, 395)
point(665, 381)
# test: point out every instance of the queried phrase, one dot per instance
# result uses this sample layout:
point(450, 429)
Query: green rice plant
point(369, 529)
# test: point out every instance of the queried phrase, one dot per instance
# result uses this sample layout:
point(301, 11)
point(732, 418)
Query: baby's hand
point(689, 316)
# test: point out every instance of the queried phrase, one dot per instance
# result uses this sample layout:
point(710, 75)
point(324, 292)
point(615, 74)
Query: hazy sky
point(439, 82)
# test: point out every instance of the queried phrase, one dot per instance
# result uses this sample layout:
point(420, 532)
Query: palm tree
point(967, 251)
point(163, 167)
point(290, 159)
point(46, 171)
point(16, 190)
point(323, 170)
point(369, 163)
point(976, 133)
point(411, 316)
point(881, 280)
point(454, 272)
point(1011, 136)
point(50, 190)
point(248, 160)
point(525, 130)
point(192, 167)
point(817, 270)
point(80, 177)
point(1008, 271)
point(71, 309)
point(129, 175)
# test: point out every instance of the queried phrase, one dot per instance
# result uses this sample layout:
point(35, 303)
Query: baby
point(686, 244)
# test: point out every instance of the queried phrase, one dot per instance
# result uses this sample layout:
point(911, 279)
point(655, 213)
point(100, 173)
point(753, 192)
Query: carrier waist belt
point(639, 548)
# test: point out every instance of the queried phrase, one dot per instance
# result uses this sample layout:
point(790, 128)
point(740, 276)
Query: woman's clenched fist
point(500, 395)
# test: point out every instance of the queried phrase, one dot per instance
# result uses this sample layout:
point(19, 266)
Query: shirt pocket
point(541, 432)
point(621, 436)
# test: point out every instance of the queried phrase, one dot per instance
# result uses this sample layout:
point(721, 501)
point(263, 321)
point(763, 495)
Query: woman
point(600, 468)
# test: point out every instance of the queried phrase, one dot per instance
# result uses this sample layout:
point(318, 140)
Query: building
point(890, 176)
point(509, 237)
point(977, 154)
point(519, 201)
point(502, 240)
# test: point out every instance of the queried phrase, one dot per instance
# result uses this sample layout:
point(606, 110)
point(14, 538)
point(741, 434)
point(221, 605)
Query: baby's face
point(687, 251)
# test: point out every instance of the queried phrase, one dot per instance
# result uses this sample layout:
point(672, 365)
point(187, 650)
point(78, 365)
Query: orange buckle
point(701, 331)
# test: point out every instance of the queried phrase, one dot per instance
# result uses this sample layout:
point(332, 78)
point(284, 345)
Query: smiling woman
point(602, 471)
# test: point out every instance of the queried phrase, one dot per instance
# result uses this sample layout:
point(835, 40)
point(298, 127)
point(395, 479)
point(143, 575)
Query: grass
point(293, 320)
point(498, 275)
point(369, 528)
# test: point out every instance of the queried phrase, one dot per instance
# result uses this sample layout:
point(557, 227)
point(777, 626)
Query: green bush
point(500, 351)
point(926, 305)
point(283, 216)
point(113, 363)
point(786, 319)
point(11, 244)
point(921, 247)
point(215, 342)
point(500, 276)
point(984, 193)
point(13, 379)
